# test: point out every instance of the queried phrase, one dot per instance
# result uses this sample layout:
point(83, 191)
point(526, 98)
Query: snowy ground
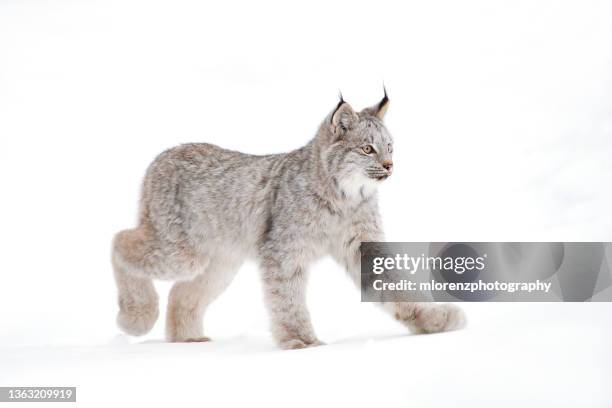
point(501, 112)
point(555, 355)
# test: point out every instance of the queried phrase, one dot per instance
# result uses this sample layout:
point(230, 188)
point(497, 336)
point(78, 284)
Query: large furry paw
point(438, 318)
point(137, 319)
point(431, 318)
point(294, 344)
point(202, 339)
point(175, 338)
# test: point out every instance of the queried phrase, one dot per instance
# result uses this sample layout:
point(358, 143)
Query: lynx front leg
point(285, 297)
point(419, 317)
point(423, 318)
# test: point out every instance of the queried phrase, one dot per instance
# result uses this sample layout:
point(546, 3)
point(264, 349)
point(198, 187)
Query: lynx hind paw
point(438, 318)
point(202, 339)
point(295, 344)
point(137, 320)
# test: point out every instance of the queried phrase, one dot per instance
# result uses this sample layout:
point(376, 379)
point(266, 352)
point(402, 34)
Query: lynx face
point(360, 155)
point(370, 149)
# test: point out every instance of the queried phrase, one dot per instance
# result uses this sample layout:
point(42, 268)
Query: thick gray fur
point(204, 210)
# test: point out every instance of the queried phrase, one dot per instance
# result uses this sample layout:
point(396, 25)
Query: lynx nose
point(388, 165)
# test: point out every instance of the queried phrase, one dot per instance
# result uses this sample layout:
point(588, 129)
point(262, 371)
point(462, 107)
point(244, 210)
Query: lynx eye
point(367, 149)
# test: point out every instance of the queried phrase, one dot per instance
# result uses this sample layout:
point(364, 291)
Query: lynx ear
point(343, 117)
point(380, 108)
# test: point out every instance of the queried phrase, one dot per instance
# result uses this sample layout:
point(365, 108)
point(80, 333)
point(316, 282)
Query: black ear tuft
point(343, 116)
point(380, 108)
point(385, 99)
point(340, 103)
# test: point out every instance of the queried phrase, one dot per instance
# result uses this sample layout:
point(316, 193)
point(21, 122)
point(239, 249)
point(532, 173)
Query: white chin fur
point(358, 186)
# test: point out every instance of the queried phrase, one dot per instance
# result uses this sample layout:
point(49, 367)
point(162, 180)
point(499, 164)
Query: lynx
point(204, 210)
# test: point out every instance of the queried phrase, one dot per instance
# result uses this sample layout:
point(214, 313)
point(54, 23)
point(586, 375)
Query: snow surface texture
point(501, 113)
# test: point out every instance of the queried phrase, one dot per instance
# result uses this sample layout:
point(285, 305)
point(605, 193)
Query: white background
point(501, 112)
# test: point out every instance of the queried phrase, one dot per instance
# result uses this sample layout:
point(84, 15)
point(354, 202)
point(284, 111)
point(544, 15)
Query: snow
point(511, 354)
point(501, 117)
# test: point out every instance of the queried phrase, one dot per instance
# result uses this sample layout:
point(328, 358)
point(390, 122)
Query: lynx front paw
point(294, 344)
point(137, 319)
point(431, 318)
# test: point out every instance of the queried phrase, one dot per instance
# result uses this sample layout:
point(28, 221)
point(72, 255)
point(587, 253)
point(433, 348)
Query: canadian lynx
point(204, 210)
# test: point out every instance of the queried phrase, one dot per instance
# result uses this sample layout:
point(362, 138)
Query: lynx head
point(358, 148)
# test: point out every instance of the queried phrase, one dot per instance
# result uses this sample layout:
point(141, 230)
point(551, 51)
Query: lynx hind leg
point(429, 317)
point(188, 300)
point(138, 301)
